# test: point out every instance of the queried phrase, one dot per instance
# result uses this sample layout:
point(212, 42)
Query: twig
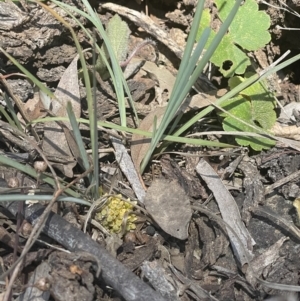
point(38, 227)
point(113, 272)
point(19, 104)
point(35, 234)
point(34, 145)
point(147, 24)
point(274, 63)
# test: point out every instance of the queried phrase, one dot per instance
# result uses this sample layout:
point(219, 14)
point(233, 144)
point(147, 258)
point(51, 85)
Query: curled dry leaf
point(140, 144)
point(34, 108)
point(202, 100)
point(267, 258)
point(288, 112)
point(286, 131)
point(165, 82)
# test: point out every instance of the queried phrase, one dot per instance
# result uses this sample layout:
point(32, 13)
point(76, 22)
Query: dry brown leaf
point(164, 78)
point(287, 113)
point(34, 109)
point(139, 143)
point(169, 206)
point(267, 258)
point(56, 143)
point(202, 100)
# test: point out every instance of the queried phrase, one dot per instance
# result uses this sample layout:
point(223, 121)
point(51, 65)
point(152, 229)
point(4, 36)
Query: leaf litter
point(55, 134)
point(172, 214)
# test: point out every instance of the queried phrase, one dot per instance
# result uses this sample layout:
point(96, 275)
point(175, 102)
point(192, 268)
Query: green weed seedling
point(254, 105)
point(253, 108)
point(229, 56)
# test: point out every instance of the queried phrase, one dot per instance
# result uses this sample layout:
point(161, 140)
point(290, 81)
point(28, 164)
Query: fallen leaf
point(286, 131)
point(202, 100)
point(287, 112)
point(127, 167)
point(169, 206)
point(229, 211)
point(139, 143)
point(164, 78)
point(34, 109)
point(55, 142)
point(267, 258)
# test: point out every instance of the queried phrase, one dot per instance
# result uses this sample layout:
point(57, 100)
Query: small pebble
point(26, 229)
point(130, 237)
point(13, 182)
point(150, 230)
point(40, 166)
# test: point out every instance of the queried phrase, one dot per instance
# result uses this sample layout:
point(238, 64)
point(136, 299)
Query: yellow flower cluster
point(114, 212)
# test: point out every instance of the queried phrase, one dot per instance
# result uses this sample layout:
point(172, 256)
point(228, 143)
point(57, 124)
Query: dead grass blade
point(128, 169)
point(229, 211)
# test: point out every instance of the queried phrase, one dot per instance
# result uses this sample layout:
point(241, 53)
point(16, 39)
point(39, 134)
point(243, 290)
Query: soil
point(191, 256)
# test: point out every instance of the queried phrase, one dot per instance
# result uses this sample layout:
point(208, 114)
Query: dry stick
point(40, 225)
point(277, 220)
point(34, 235)
point(281, 182)
point(37, 229)
point(113, 272)
point(59, 192)
point(278, 286)
point(147, 24)
point(34, 145)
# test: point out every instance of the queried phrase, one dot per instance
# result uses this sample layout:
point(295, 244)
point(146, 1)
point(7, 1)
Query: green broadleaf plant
point(189, 71)
point(191, 67)
point(248, 30)
point(256, 109)
point(255, 105)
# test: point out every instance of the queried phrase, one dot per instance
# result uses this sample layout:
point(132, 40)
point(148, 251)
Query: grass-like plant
point(193, 62)
point(190, 69)
point(192, 65)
